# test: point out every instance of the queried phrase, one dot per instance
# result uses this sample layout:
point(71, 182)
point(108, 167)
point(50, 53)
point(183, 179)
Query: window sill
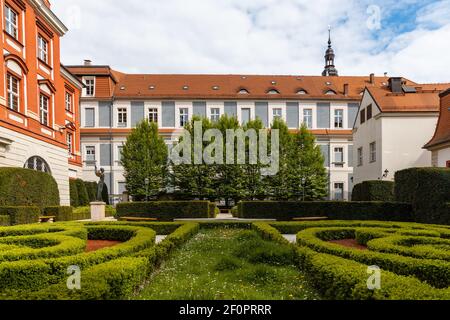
point(44, 63)
point(16, 41)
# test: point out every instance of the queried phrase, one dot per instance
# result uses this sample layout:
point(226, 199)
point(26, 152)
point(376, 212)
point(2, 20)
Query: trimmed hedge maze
point(35, 259)
point(414, 258)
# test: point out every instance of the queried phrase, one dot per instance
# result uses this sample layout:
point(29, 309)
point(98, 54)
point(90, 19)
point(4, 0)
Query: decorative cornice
point(49, 16)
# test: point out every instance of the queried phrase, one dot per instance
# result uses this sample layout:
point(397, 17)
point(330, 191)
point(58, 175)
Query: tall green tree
point(145, 156)
point(307, 179)
point(194, 181)
point(278, 185)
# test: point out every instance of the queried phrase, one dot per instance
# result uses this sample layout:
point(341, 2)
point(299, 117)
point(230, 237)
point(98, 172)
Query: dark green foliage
point(377, 190)
point(91, 188)
point(21, 215)
point(24, 187)
point(73, 193)
point(83, 197)
point(335, 210)
point(4, 220)
point(428, 190)
point(61, 213)
point(164, 210)
point(227, 264)
point(144, 157)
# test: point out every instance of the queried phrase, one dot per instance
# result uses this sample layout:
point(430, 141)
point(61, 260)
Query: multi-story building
point(393, 124)
point(39, 98)
point(439, 146)
point(113, 102)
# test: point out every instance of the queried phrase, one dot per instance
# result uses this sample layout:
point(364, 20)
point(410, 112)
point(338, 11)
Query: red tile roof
point(442, 134)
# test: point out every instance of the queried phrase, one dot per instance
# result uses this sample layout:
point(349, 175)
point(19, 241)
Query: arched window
point(273, 91)
point(302, 91)
point(37, 164)
point(243, 91)
point(330, 93)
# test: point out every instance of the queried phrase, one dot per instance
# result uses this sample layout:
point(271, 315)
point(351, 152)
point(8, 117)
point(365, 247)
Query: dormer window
point(215, 88)
point(122, 88)
point(330, 93)
point(243, 91)
point(273, 91)
point(151, 87)
point(89, 83)
point(301, 91)
point(185, 87)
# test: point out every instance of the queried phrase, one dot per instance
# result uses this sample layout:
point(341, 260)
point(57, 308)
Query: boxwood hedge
point(336, 210)
point(21, 215)
point(377, 190)
point(24, 187)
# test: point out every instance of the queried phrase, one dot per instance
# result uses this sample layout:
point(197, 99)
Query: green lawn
point(229, 265)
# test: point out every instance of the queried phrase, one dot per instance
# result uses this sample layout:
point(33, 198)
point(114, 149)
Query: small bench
point(137, 219)
point(310, 219)
point(45, 219)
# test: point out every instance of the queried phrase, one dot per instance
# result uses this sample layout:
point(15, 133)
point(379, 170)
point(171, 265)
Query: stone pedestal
point(98, 211)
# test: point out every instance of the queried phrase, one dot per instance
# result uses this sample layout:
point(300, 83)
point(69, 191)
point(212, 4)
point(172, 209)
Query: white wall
point(24, 147)
point(403, 141)
point(443, 157)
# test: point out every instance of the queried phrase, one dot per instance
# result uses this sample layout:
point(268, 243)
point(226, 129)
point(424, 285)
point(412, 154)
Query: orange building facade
point(39, 98)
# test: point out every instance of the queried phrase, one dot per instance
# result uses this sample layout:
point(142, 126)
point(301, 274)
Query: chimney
point(87, 62)
point(346, 89)
point(372, 78)
point(395, 84)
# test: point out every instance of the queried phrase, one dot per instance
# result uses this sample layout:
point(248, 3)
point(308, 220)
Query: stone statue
point(101, 174)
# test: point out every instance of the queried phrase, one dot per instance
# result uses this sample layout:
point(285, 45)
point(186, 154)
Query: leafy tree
point(83, 196)
point(307, 179)
point(194, 181)
point(145, 156)
point(278, 185)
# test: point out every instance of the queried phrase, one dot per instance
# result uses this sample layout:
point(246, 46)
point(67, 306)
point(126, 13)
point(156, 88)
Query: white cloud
point(254, 36)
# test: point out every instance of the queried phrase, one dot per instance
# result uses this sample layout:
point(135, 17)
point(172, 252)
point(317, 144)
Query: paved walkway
point(292, 238)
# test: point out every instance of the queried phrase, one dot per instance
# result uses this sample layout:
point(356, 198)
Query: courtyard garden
point(225, 260)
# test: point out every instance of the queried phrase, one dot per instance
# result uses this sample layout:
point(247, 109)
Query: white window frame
point(43, 109)
point(89, 82)
point(183, 117)
point(310, 116)
point(277, 113)
point(88, 149)
point(42, 48)
point(122, 117)
point(119, 154)
point(215, 114)
point(336, 163)
point(12, 95)
point(360, 157)
point(373, 152)
point(338, 118)
point(335, 189)
point(68, 101)
point(11, 22)
point(153, 115)
point(69, 140)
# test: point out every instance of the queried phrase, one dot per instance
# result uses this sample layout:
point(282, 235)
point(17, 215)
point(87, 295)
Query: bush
point(24, 187)
point(377, 190)
point(4, 221)
point(73, 193)
point(213, 210)
point(164, 210)
point(428, 190)
point(335, 210)
point(61, 213)
point(21, 215)
point(91, 188)
point(83, 197)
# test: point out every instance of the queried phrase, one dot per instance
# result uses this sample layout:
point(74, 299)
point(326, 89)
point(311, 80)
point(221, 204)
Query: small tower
point(330, 69)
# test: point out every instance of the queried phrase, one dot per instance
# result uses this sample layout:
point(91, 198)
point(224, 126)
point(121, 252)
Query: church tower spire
point(330, 69)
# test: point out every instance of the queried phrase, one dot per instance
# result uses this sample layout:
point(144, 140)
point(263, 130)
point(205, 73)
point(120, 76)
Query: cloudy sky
point(410, 38)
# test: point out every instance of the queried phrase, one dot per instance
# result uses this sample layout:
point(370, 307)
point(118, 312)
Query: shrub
point(428, 190)
point(4, 220)
point(336, 210)
point(164, 210)
point(21, 215)
point(374, 191)
point(213, 210)
point(61, 213)
point(24, 187)
point(91, 188)
point(83, 197)
point(73, 193)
